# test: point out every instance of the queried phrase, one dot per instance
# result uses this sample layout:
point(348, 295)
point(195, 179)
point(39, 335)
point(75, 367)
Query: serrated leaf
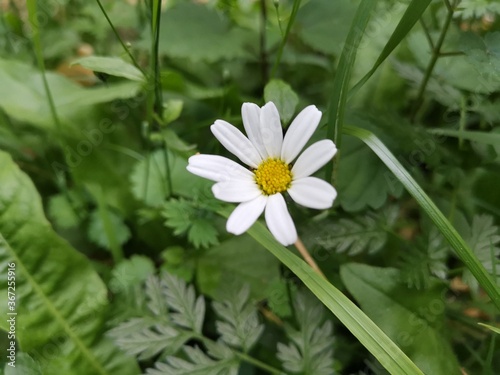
point(111, 65)
point(189, 310)
point(131, 272)
point(97, 229)
point(283, 96)
point(427, 258)
point(484, 240)
point(352, 236)
point(59, 289)
point(197, 363)
point(239, 325)
point(202, 233)
point(310, 350)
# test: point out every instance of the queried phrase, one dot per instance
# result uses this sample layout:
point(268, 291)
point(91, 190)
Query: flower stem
point(307, 257)
point(262, 42)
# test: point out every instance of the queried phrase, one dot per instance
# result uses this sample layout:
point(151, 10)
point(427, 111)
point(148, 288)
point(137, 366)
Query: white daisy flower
point(273, 170)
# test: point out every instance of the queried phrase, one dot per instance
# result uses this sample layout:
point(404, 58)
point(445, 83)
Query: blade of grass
point(482, 137)
point(406, 23)
point(449, 232)
point(361, 326)
point(338, 96)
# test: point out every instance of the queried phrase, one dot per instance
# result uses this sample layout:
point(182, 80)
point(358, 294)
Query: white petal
point(271, 130)
point(299, 132)
point(217, 168)
point(313, 158)
point(245, 214)
point(236, 191)
point(313, 192)
point(279, 221)
point(236, 143)
point(250, 113)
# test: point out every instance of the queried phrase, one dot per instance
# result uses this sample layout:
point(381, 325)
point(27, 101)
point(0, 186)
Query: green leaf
point(490, 138)
point(321, 24)
point(444, 226)
point(414, 320)
point(494, 329)
point(203, 233)
point(189, 310)
point(62, 211)
point(198, 363)
point(361, 179)
point(24, 98)
point(111, 65)
point(131, 272)
point(412, 14)
point(239, 322)
point(353, 236)
point(97, 229)
point(367, 332)
point(281, 94)
point(235, 260)
point(202, 39)
point(310, 350)
point(484, 240)
point(58, 287)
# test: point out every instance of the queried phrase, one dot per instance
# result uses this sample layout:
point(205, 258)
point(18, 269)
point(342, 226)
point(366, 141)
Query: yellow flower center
point(273, 176)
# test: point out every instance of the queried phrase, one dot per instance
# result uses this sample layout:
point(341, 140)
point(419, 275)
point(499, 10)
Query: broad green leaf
point(98, 228)
point(281, 94)
point(111, 65)
point(449, 232)
point(367, 332)
point(56, 287)
point(235, 261)
point(322, 24)
point(406, 23)
point(338, 95)
point(23, 365)
point(196, 32)
point(24, 98)
point(362, 179)
point(413, 319)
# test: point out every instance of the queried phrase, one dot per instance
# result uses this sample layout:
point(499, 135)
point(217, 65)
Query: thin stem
point(127, 51)
point(463, 121)
point(257, 363)
point(427, 33)
point(263, 53)
point(155, 66)
point(452, 53)
point(307, 257)
point(295, 9)
point(436, 51)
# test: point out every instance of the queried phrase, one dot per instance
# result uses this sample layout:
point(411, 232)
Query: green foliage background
point(122, 261)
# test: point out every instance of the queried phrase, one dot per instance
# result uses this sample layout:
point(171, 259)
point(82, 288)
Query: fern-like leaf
point(428, 258)
point(189, 311)
point(223, 362)
point(484, 240)
point(239, 325)
point(352, 235)
point(310, 350)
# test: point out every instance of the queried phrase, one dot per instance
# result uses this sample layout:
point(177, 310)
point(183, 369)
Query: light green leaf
point(413, 319)
point(281, 94)
point(111, 65)
point(24, 98)
point(97, 229)
point(23, 365)
point(58, 287)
